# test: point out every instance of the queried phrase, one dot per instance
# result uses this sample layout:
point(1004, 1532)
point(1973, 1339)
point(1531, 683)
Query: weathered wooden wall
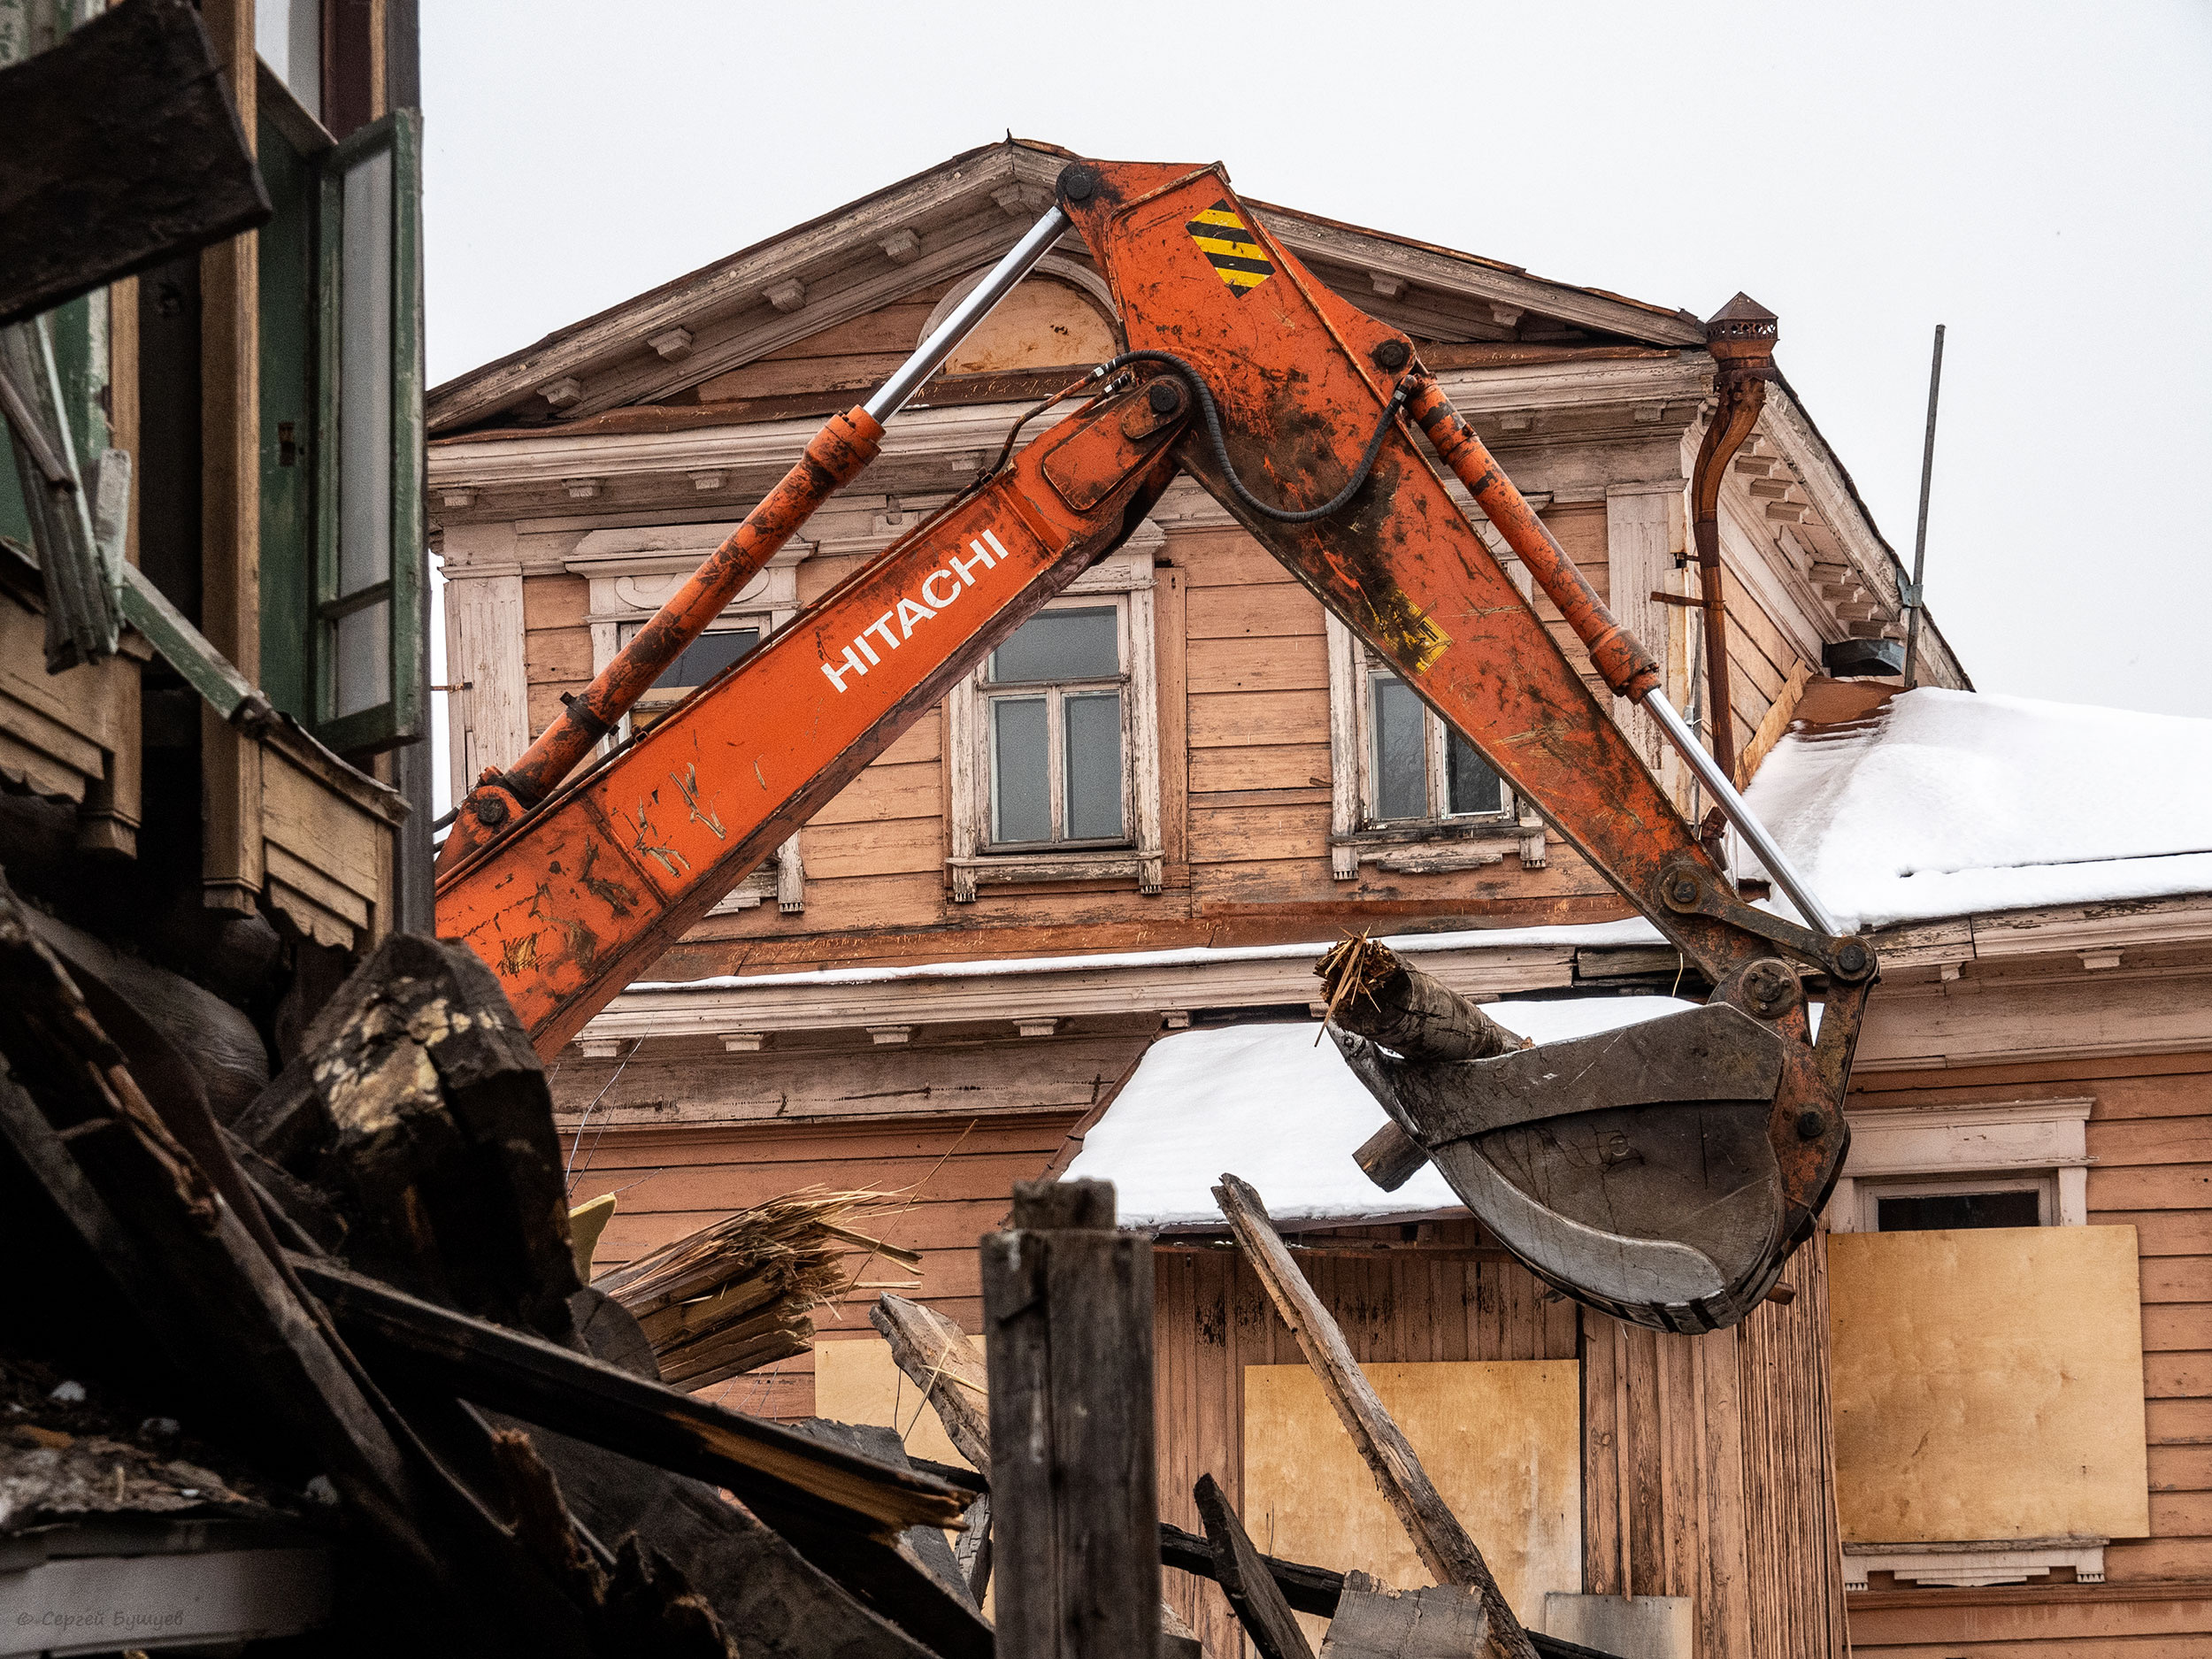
point(1724, 1478)
point(1715, 1449)
point(2150, 1138)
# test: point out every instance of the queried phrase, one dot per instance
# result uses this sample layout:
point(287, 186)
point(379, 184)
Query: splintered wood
point(737, 1295)
point(1373, 994)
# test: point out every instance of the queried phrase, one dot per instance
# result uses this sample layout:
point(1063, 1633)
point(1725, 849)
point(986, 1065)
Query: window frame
point(990, 693)
point(973, 859)
point(1438, 842)
point(401, 718)
point(2005, 1146)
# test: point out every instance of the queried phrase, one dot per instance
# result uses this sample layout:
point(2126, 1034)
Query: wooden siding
point(555, 642)
point(2149, 1137)
point(1722, 1471)
point(1724, 1478)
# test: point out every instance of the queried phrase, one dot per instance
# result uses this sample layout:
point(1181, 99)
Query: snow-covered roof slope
point(1265, 1104)
point(1953, 803)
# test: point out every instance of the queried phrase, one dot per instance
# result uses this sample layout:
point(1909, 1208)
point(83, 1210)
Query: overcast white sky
point(2038, 177)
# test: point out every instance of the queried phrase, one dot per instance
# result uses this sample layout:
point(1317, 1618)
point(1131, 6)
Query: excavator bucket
point(1629, 1169)
point(1655, 1172)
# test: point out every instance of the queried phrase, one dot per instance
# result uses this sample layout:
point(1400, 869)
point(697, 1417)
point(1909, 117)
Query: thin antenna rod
point(1920, 536)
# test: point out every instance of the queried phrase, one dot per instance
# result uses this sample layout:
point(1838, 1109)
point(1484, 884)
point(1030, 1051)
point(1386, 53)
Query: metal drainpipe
point(1741, 336)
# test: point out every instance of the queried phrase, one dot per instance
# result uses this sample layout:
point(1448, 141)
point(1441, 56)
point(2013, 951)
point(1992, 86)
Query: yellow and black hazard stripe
point(1230, 247)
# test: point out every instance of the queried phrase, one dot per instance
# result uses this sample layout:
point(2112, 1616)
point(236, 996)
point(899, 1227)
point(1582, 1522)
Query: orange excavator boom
point(1670, 1183)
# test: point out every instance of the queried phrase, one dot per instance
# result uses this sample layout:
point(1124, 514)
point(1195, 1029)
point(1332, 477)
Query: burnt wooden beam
point(1444, 1547)
point(756, 1580)
point(124, 150)
point(74, 1119)
point(1068, 1305)
point(1245, 1579)
point(1307, 1589)
point(526, 1377)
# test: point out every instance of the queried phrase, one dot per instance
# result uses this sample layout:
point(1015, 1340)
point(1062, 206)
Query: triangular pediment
point(847, 294)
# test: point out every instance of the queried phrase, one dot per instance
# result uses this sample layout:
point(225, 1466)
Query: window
point(1933, 1211)
point(1419, 769)
point(2021, 1164)
point(699, 661)
point(343, 545)
point(1410, 794)
point(1054, 706)
point(632, 572)
point(1054, 742)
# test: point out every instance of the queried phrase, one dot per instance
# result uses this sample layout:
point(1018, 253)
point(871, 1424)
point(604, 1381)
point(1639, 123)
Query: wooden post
point(1068, 1315)
point(1444, 1548)
point(1244, 1578)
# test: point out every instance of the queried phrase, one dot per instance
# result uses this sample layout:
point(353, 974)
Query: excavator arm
point(584, 891)
point(1662, 1173)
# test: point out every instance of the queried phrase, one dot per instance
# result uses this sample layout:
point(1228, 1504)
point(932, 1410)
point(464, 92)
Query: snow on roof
point(1635, 931)
point(1953, 803)
point(1265, 1104)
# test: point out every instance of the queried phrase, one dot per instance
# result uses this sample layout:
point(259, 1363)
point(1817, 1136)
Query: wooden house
point(943, 982)
point(234, 837)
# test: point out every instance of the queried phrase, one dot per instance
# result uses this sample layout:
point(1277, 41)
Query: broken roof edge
point(1932, 640)
point(482, 392)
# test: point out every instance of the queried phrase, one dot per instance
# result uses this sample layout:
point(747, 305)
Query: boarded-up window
point(1988, 1385)
point(1501, 1439)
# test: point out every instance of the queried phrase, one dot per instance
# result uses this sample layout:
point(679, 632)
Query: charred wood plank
point(1246, 1580)
point(124, 151)
point(1068, 1306)
point(767, 1464)
point(927, 1543)
point(639, 1602)
point(782, 1605)
point(420, 1105)
point(1444, 1547)
point(1307, 1589)
point(74, 1118)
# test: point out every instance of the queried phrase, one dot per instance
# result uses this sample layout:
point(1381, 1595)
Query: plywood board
point(1988, 1385)
point(855, 1380)
point(1501, 1438)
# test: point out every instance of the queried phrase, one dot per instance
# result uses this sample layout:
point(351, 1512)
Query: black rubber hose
point(1281, 515)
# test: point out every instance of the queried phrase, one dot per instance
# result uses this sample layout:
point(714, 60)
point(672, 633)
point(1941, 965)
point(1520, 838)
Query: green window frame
point(343, 597)
point(369, 616)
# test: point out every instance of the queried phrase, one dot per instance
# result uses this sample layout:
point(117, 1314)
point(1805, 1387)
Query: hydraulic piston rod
point(1617, 656)
point(833, 458)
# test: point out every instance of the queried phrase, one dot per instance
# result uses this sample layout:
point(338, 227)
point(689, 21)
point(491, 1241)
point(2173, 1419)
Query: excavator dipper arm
point(1662, 1173)
point(1668, 1182)
point(581, 895)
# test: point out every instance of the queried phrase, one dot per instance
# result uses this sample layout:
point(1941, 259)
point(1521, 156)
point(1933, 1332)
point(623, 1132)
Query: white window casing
point(2040, 1145)
point(1124, 579)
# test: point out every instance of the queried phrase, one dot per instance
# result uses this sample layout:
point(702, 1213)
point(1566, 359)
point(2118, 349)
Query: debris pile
point(737, 1294)
point(337, 1347)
